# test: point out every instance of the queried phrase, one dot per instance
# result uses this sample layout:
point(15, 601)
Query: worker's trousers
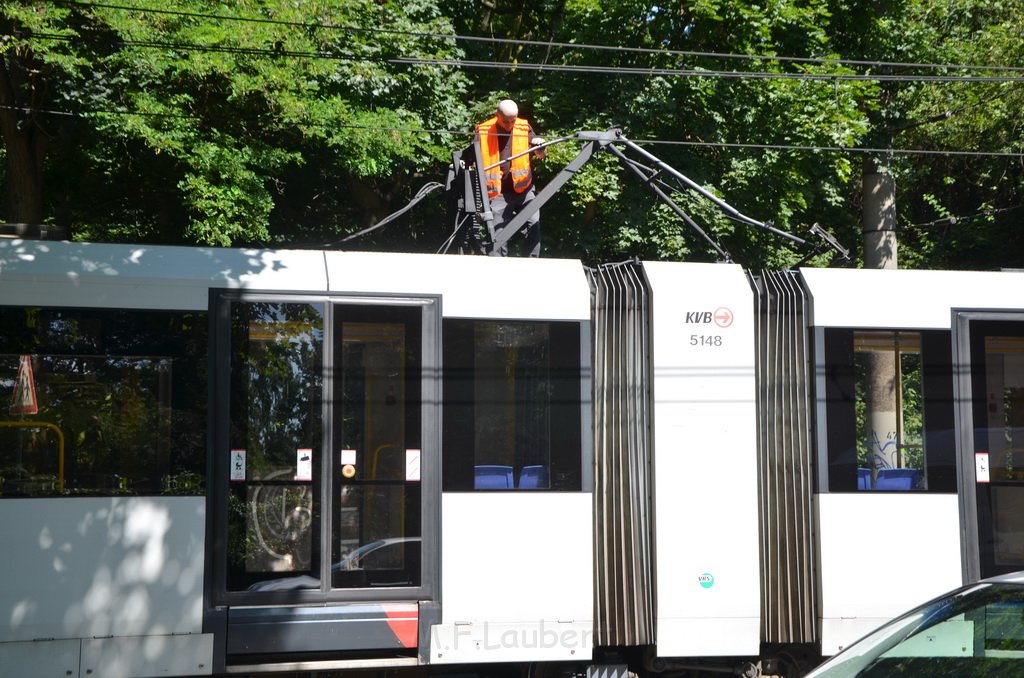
point(506, 206)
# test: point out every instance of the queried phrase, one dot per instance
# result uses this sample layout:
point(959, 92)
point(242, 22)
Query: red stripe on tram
point(404, 622)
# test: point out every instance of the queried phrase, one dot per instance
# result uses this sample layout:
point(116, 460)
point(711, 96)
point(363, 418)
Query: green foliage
point(282, 122)
point(220, 101)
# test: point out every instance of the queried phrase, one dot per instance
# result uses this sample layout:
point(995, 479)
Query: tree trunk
point(24, 141)
point(25, 152)
point(880, 252)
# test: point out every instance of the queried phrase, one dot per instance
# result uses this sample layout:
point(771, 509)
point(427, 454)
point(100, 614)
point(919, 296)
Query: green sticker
point(706, 580)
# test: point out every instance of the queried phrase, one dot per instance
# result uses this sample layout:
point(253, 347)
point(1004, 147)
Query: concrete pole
point(883, 378)
point(878, 217)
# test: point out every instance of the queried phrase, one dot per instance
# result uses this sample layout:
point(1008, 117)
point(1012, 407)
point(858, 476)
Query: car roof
point(1010, 578)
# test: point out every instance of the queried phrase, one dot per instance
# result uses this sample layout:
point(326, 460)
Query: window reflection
point(889, 407)
point(999, 432)
point(275, 439)
point(512, 392)
point(377, 419)
point(102, 402)
point(888, 402)
point(512, 405)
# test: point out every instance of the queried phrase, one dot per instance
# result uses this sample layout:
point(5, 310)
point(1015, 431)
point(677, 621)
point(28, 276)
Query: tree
point(964, 210)
point(297, 123)
point(26, 87)
point(699, 106)
point(192, 114)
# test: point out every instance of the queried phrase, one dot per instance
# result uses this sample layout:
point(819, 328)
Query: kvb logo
point(721, 316)
point(698, 317)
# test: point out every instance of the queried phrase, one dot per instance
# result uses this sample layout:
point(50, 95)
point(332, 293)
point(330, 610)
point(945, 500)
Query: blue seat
point(898, 479)
point(863, 479)
point(534, 477)
point(493, 477)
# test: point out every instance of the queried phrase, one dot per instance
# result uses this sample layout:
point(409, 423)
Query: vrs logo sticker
point(706, 580)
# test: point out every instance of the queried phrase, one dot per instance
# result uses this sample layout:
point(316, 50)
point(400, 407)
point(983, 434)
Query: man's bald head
point(507, 113)
point(508, 107)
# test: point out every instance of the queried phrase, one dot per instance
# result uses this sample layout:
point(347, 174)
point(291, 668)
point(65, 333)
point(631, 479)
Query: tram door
point(990, 389)
point(328, 476)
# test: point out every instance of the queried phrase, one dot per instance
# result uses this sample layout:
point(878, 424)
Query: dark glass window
point(377, 414)
point(997, 387)
point(511, 405)
point(889, 411)
point(102, 402)
point(275, 441)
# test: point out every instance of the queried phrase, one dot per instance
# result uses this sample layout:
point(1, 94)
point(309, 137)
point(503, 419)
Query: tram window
point(102, 402)
point(512, 411)
point(276, 431)
point(889, 411)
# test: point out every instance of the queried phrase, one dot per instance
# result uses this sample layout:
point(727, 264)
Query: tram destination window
point(102, 402)
point(889, 411)
point(512, 411)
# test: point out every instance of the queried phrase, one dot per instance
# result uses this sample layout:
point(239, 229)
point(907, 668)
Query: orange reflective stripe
point(521, 180)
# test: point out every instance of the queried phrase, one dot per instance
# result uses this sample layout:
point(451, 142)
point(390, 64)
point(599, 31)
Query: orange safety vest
point(487, 133)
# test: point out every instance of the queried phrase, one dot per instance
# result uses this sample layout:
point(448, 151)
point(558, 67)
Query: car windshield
point(973, 632)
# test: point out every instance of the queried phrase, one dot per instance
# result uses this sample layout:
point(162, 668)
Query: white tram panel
point(905, 299)
point(921, 558)
point(79, 572)
point(707, 563)
point(472, 287)
point(871, 573)
point(152, 276)
point(146, 276)
point(516, 567)
point(516, 578)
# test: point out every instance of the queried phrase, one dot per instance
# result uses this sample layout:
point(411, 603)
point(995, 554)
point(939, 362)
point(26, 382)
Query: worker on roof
point(510, 182)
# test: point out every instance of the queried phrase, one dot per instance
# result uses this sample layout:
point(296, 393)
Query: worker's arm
point(537, 141)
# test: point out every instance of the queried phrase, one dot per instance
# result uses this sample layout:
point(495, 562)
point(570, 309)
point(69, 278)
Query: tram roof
point(904, 298)
point(157, 276)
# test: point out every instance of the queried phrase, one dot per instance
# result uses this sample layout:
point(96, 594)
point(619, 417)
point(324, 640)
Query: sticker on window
point(237, 466)
point(412, 465)
point(304, 463)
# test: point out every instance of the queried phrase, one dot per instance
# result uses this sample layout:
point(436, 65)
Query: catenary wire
point(550, 44)
point(814, 148)
point(955, 220)
point(564, 68)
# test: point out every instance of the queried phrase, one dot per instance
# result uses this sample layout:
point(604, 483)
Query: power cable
point(426, 190)
point(552, 44)
point(565, 68)
point(954, 220)
point(655, 142)
point(702, 73)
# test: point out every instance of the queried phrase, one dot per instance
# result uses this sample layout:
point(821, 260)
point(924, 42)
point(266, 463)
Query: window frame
point(569, 373)
point(159, 481)
point(836, 414)
point(221, 301)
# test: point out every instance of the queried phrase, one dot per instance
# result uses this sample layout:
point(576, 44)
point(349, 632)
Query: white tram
point(219, 461)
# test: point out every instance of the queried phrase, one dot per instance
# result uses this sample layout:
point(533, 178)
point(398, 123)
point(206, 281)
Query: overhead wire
point(811, 148)
point(549, 67)
point(955, 220)
point(870, 63)
point(614, 70)
point(424, 191)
